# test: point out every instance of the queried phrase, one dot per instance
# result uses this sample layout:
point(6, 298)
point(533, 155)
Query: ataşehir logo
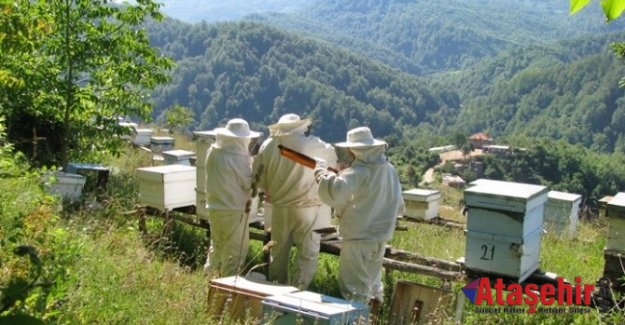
point(561, 293)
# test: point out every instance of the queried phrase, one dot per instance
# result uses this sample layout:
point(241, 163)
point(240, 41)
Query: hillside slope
point(423, 37)
point(259, 73)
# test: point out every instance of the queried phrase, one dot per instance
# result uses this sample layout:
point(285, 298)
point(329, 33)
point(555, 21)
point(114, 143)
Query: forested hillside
point(259, 73)
point(562, 90)
point(422, 37)
point(568, 90)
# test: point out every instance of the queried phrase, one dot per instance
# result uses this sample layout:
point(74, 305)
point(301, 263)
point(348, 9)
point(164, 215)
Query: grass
point(104, 270)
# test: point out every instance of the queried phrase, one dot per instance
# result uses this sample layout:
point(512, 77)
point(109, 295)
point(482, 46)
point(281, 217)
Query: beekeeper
point(292, 191)
point(367, 198)
point(228, 190)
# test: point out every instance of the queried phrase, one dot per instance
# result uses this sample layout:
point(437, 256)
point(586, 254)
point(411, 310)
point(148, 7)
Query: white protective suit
point(292, 191)
point(367, 198)
point(228, 184)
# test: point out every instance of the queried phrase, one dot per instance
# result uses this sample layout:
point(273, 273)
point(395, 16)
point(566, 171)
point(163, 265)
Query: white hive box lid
point(144, 131)
point(178, 154)
point(563, 198)
point(318, 304)
point(484, 181)
point(508, 196)
point(419, 194)
point(158, 173)
point(264, 288)
point(617, 203)
point(161, 139)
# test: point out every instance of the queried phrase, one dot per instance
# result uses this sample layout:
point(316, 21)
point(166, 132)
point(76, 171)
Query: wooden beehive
point(158, 144)
point(603, 204)
point(615, 211)
point(241, 298)
point(203, 141)
point(613, 268)
point(306, 307)
point(421, 203)
point(167, 187)
point(562, 212)
point(504, 227)
point(415, 303)
point(179, 157)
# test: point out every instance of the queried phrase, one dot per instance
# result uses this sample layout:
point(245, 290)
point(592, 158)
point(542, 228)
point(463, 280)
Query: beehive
point(562, 212)
point(158, 144)
point(180, 157)
point(504, 227)
point(412, 303)
point(142, 137)
point(167, 187)
point(66, 185)
point(421, 203)
point(203, 141)
point(306, 307)
point(615, 211)
point(242, 297)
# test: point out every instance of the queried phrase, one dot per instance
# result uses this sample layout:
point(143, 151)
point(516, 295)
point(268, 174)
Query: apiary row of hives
point(506, 221)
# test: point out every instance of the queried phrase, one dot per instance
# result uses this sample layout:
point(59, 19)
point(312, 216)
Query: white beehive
point(66, 185)
point(203, 141)
point(167, 187)
point(562, 212)
point(158, 144)
point(142, 137)
point(421, 203)
point(504, 226)
point(179, 157)
point(312, 308)
point(615, 211)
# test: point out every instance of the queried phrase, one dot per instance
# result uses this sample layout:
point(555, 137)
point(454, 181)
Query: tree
point(178, 116)
point(72, 69)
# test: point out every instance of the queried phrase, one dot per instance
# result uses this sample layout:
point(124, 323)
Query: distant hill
point(423, 37)
point(258, 72)
point(567, 90)
point(193, 11)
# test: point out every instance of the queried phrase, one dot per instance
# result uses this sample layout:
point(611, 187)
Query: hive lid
point(178, 153)
point(311, 301)
point(509, 196)
point(161, 139)
point(144, 131)
point(563, 196)
point(265, 288)
point(421, 192)
point(617, 202)
point(166, 169)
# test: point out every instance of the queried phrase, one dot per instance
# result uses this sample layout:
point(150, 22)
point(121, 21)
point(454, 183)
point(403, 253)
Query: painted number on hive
point(488, 252)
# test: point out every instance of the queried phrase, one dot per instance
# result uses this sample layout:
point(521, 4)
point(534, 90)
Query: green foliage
point(178, 117)
point(72, 69)
point(560, 166)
